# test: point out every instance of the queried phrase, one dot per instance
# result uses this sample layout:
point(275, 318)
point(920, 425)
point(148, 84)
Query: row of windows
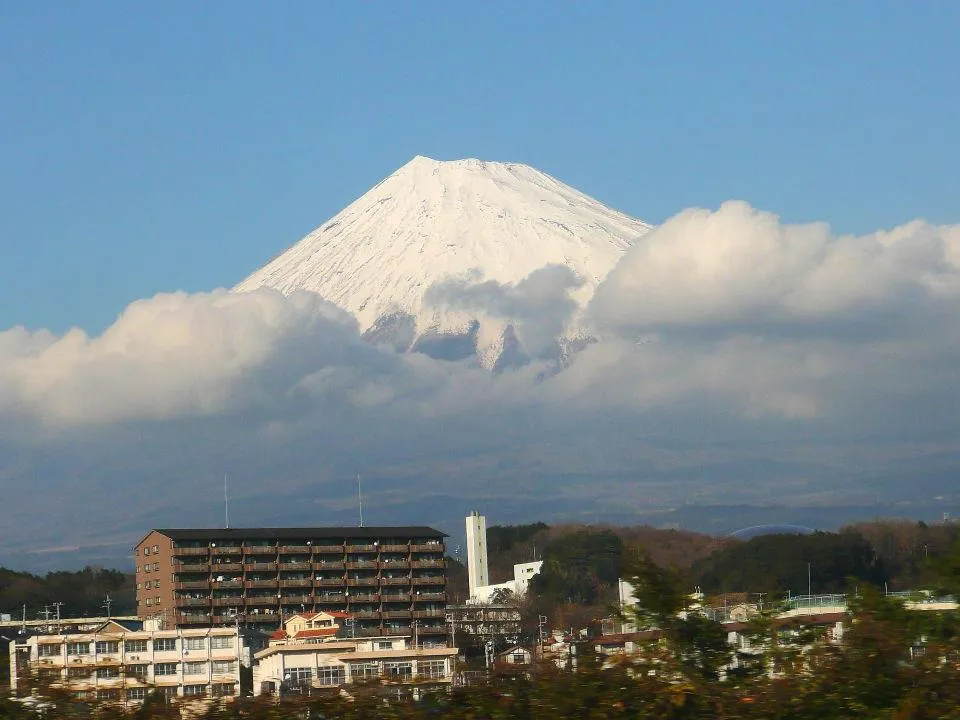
point(112, 647)
point(170, 692)
point(148, 567)
point(219, 667)
point(156, 549)
point(149, 584)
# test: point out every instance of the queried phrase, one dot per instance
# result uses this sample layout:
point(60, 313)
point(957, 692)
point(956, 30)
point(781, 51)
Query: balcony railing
point(191, 585)
point(365, 614)
point(226, 567)
point(397, 614)
point(301, 599)
point(395, 597)
point(327, 564)
point(394, 548)
point(433, 630)
point(305, 549)
point(228, 601)
point(404, 630)
point(260, 584)
point(336, 549)
point(362, 564)
point(295, 566)
point(193, 618)
point(193, 602)
point(430, 596)
point(300, 582)
point(362, 581)
point(338, 598)
point(260, 549)
point(361, 548)
point(395, 581)
point(434, 580)
point(253, 567)
point(429, 613)
point(329, 581)
point(225, 584)
point(437, 548)
point(426, 563)
point(365, 597)
point(183, 551)
point(227, 550)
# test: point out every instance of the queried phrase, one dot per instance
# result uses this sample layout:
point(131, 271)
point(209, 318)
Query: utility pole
point(57, 606)
point(541, 622)
point(107, 603)
point(809, 583)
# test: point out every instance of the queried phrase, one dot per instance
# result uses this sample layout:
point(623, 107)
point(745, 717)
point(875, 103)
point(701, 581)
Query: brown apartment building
point(388, 579)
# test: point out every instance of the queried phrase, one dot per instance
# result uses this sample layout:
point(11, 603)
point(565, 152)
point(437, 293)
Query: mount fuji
point(449, 258)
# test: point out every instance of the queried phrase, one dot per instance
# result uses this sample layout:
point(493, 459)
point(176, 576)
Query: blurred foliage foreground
point(892, 663)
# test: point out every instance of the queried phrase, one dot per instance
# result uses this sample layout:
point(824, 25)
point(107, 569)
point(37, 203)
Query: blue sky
point(180, 146)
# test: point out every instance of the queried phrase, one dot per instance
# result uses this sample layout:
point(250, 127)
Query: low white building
point(117, 663)
point(296, 664)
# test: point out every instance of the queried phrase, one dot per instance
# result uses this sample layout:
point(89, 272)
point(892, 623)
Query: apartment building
point(115, 663)
point(387, 579)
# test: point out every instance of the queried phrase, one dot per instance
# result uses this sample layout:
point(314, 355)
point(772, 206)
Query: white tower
point(477, 574)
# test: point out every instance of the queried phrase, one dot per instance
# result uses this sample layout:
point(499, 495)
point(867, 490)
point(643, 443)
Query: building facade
point(388, 579)
point(114, 663)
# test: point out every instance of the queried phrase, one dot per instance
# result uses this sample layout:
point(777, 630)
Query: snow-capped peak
point(433, 221)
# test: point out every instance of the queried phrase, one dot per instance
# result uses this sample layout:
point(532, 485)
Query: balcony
point(192, 585)
point(296, 549)
point(433, 630)
point(396, 614)
point(395, 581)
point(362, 565)
point(328, 564)
point(334, 582)
point(260, 566)
point(336, 549)
point(225, 584)
point(429, 613)
point(226, 567)
point(193, 618)
point(192, 602)
point(361, 548)
point(299, 582)
point(365, 597)
point(295, 566)
point(260, 549)
point(336, 598)
point(362, 581)
point(366, 615)
point(260, 584)
point(431, 580)
point(395, 597)
point(226, 550)
point(429, 547)
point(427, 563)
point(185, 551)
point(228, 601)
point(430, 596)
point(300, 599)
point(402, 630)
point(395, 548)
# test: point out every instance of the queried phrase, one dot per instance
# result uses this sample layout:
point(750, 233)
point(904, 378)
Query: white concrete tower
point(477, 574)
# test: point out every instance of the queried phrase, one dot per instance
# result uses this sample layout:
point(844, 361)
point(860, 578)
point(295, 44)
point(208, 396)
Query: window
point(108, 672)
point(156, 549)
point(140, 585)
point(49, 675)
point(136, 693)
point(147, 567)
point(331, 675)
point(224, 667)
point(223, 689)
point(108, 646)
point(398, 669)
point(221, 642)
point(362, 671)
point(156, 566)
point(165, 644)
point(432, 668)
point(50, 650)
point(195, 643)
point(135, 646)
point(169, 692)
point(146, 551)
point(156, 584)
point(79, 672)
point(78, 648)
point(165, 668)
point(387, 645)
point(297, 676)
point(109, 694)
point(137, 671)
point(194, 690)
point(148, 584)
point(195, 668)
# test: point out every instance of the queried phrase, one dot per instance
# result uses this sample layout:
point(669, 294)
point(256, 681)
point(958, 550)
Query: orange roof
point(318, 632)
point(337, 613)
point(278, 635)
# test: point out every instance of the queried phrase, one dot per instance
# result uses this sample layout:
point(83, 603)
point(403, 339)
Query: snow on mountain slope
point(433, 221)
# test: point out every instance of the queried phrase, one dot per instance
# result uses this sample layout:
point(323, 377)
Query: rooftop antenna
point(226, 504)
point(360, 498)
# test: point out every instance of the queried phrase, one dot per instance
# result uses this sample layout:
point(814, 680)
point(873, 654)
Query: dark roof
point(372, 533)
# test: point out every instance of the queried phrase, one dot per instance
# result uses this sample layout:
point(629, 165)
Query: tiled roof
point(317, 632)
